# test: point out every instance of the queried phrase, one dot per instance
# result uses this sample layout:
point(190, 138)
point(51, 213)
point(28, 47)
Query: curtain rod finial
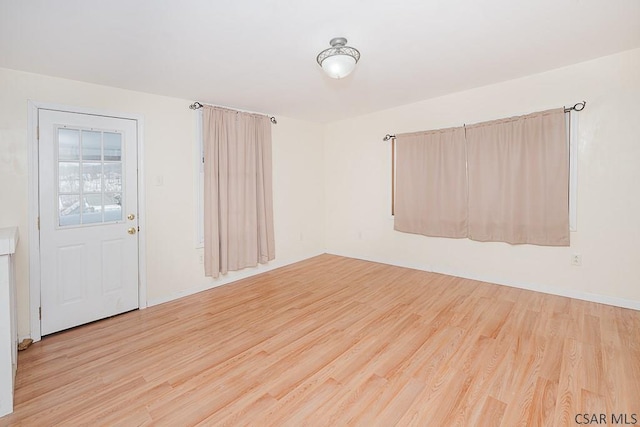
point(579, 106)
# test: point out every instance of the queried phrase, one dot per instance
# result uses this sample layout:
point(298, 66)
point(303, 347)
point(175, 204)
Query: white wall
point(173, 261)
point(357, 185)
point(339, 175)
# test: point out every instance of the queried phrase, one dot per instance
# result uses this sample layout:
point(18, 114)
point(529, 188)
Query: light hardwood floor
point(334, 341)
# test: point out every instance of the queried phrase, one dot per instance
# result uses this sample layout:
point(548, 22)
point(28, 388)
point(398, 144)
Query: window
point(89, 171)
point(513, 170)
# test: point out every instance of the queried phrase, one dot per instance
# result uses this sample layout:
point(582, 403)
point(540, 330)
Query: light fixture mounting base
point(338, 42)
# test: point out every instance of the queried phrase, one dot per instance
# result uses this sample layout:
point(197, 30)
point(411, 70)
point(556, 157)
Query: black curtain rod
point(576, 107)
point(579, 106)
point(196, 106)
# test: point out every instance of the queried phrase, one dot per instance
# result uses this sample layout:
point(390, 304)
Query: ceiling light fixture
point(339, 60)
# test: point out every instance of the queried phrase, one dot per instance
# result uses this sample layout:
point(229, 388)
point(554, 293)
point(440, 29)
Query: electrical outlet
point(576, 260)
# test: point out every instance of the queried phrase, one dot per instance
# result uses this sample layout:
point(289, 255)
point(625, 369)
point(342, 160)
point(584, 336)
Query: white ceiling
point(260, 55)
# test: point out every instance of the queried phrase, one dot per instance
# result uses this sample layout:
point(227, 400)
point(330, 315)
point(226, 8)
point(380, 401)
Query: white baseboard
point(552, 290)
point(230, 278)
point(570, 293)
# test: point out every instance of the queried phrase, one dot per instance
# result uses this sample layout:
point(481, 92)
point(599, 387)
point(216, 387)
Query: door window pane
point(112, 146)
point(92, 177)
point(93, 202)
point(68, 144)
point(90, 189)
point(91, 145)
point(91, 214)
point(113, 207)
point(69, 209)
point(68, 177)
point(113, 177)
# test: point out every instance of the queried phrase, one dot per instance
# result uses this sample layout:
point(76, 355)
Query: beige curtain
point(238, 206)
point(431, 186)
point(519, 180)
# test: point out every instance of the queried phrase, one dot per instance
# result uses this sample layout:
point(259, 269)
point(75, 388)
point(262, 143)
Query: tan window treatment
point(504, 180)
point(238, 203)
point(519, 180)
point(431, 185)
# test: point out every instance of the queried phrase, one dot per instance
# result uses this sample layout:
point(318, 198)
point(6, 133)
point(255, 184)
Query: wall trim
point(551, 290)
point(33, 208)
point(232, 277)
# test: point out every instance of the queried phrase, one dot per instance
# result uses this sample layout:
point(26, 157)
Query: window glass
point(68, 177)
point(91, 177)
point(90, 186)
point(113, 177)
point(68, 144)
point(112, 146)
point(91, 145)
point(69, 209)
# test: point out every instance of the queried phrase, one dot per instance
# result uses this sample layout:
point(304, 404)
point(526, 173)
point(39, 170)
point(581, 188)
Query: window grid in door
point(89, 172)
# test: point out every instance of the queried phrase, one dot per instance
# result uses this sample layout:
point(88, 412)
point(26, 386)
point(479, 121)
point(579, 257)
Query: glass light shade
point(338, 66)
point(339, 60)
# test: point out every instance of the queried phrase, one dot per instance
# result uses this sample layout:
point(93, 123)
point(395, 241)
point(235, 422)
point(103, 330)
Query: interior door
point(88, 218)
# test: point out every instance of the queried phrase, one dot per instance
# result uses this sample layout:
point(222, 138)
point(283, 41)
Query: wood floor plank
point(338, 341)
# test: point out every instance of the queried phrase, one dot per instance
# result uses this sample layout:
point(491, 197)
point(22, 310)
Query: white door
point(88, 218)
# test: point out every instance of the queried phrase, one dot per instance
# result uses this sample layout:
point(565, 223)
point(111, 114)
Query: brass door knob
point(131, 217)
point(131, 230)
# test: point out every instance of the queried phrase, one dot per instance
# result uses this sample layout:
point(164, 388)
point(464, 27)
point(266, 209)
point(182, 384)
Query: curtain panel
point(238, 201)
point(519, 179)
point(504, 181)
point(431, 186)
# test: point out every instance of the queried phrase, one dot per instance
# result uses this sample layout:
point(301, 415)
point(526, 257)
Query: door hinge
point(40, 312)
point(138, 228)
point(38, 223)
point(38, 133)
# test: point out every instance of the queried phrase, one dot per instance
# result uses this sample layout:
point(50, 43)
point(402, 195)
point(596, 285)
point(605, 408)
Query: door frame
point(33, 181)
